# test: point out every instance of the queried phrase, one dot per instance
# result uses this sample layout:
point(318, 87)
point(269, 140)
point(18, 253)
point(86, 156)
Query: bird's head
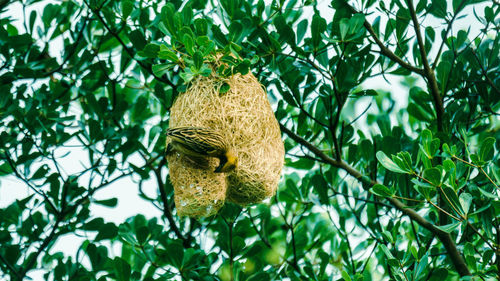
point(229, 165)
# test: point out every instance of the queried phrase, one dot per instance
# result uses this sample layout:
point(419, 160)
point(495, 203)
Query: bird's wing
point(200, 140)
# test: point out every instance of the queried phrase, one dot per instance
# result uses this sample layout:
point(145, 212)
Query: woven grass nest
point(244, 117)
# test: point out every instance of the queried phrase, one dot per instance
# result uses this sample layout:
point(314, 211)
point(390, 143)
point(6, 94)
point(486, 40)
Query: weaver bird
point(202, 142)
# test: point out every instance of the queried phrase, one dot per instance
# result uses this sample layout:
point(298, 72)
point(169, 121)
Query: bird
point(202, 142)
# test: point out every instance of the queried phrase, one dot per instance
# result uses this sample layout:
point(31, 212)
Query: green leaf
point(318, 26)
point(356, 23)
point(188, 42)
point(387, 236)
point(301, 30)
point(419, 113)
point(443, 72)
point(144, 173)
point(321, 187)
point(487, 194)
point(107, 231)
point(142, 234)
point(285, 31)
point(112, 202)
point(429, 146)
point(187, 75)
point(167, 13)
point(366, 149)
point(121, 269)
point(224, 88)
point(386, 251)
point(345, 275)
point(448, 165)
point(449, 227)
point(205, 70)
point(430, 35)
point(393, 262)
point(187, 14)
point(438, 8)
point(489, 15)
point(406, 157)
point(94, 224)
point(439, 274)
point(486, 149)
point(176, 254)
point(475, 159)
point(465, 201)
point(127, 7)
point(95, 132)
point(200, 26)
point(292, 187)
point(288, 97)
point(137, 39)
point(235, 32)
point(403, 161)
point(388, 163)
point(402, 21)
point(33, 17)
point(219, 37)
point(5, 169)
point(422, 265)
point(382, 190)
point(451, 199)
point(301, 164)
point(160, 69)
point(41, 172)
point(433, 175)
point(97, 255)
point(451, 172)
point(166, 53)
point(423, 188)
point(198, 60)
point(488, 256)
point(343, 28)
point(469, 249)
point(414, 252)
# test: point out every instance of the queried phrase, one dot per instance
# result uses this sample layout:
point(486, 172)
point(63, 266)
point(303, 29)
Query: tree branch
point(384, 50)
point(444, 237)
point(31, 262)
point(428, 71)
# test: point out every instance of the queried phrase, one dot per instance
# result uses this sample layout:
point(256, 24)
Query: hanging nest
point(244, 117)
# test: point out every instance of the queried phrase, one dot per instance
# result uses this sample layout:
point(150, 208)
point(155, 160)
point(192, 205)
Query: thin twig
point(484, 72)
point(385, 51)
point(28, 183)
point(459, 7)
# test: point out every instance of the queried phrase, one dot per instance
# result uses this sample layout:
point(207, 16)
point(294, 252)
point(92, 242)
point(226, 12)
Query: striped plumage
point(202, 142)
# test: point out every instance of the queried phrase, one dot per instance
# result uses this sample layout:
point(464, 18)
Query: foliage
point(370, 190)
